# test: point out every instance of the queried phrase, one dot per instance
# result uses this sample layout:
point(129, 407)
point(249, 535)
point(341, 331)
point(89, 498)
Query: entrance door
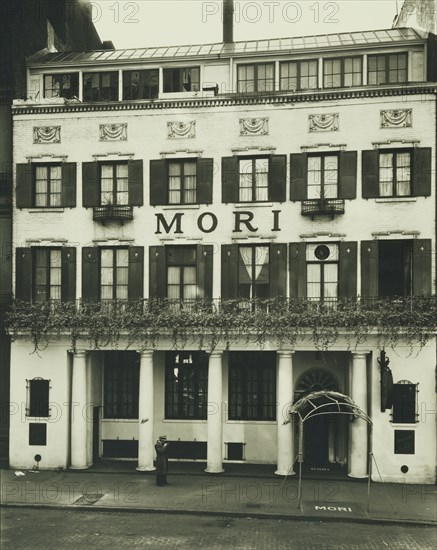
point(96, 431)
point(316, 441)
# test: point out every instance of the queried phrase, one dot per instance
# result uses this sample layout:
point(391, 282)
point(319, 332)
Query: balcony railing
point(322, 207)
point(112, 212)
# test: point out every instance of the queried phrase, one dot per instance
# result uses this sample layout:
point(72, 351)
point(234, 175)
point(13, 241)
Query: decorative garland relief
point(47, 134)
point(113, 132)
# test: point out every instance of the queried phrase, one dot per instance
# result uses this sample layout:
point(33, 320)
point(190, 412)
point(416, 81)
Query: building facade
point(221, 213)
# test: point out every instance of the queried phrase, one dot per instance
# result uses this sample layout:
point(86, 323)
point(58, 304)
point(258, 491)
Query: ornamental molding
point(46, 134)
point(325, 122)
point(113, 132)
point(397, 118)
point(254, 126)
point(178, 129)
point(23, 109)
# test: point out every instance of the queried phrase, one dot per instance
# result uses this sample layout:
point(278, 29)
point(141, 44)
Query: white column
point(78, 413)
point(284, 395)
point(214, 463)
point(358, 439)
point(145, 414)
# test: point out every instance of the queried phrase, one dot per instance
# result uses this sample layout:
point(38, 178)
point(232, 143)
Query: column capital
point(147, 353)
point(216, 353)
point(360, 354)
point(286, 353)
point(79, 353)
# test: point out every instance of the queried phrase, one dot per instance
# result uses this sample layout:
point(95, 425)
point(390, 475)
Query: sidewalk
point(253, 491)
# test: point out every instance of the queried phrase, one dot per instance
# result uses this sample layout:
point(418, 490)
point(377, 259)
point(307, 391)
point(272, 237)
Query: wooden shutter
point(422, 171)
point(68, 274)
point(68, 189)
point(136, 273)
point(347, 184)
point(90, 184)
point(278, 270)
point(422, 253)
point(370, 174)
point(90, 274)
point(23, 274)
point(277, 178)
point(347, 276)
point(230, 179)
point(157, 272)
point(298, 270)
point(158, 182)
point(369, 269)
point(205, 270)
point(135, 175)
point(298, 177)
point(24, 185)
point(204, 179)
point(229, 270)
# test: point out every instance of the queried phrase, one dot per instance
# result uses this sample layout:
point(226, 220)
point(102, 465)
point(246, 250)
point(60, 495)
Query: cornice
point(225, 101)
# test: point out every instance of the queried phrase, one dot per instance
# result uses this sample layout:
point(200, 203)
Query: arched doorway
point(325, 437)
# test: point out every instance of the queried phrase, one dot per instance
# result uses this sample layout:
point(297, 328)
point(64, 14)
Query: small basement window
point(404, 442)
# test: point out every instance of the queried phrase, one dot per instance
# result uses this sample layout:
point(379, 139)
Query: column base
point(145, 468)
point(358, 476)
point(281, 473)
point(214, 470)
point(79, 467)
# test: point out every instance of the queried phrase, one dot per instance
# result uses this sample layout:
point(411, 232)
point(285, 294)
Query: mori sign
point(333, 508)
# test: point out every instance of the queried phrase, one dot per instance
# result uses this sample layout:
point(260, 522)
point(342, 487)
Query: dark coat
point(161, 458)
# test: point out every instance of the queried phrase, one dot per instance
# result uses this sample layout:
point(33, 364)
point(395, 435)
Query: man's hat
point(163, 437)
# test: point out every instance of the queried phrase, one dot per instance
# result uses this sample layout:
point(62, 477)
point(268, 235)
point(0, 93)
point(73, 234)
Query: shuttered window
point(254, 271)
point(46, 185)
point(252, 386)
point(253, 179)
point(395, 174)
point(181, 273)
point(322, 176)
point(47, 274)
point(182, 182)
point(114, 184)
point(114, 272)
point(322, 272)
point(186, 385)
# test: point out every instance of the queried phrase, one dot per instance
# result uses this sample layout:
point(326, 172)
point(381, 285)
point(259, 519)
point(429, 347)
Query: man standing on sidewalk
point(161, 448)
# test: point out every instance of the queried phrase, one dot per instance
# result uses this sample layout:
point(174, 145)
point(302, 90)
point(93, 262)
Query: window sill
point(396, 199)
point(45, 210)
point(253, 204)
point(183, 421)
point(38, 418)
point(406, 425)
point(124, 420)
point(181, 207)
point(253, 422)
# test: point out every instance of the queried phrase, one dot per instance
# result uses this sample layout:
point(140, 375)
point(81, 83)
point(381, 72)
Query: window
point(254, 179)
point(322, 272)
point(395, 261)
point(61, 85)
point(100, 86)
point(299, 75)
point(38, 398)
point(184, 79)
point(182, 182)
point(252, 386)
point(114, 272)
point(404, 402)
point(48, 185)
point(141, 84)
point(322, 176)
point(256, 78)
point(404, 442)
point(37, 434)
point(186, 385)
point(395, 174)
point(342, 72)
point(121, 384)
point(114, 180)
point(47, 266)
point(387, 69)
point(181, 273)
point(253, 272)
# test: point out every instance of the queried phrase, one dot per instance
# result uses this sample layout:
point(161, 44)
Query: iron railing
point(322, 207)
point(112, 212)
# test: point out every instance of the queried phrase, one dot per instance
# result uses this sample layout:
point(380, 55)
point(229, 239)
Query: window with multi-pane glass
point(141, 84)
point(253, 271)
point(299, 75)
point(61, 85)
point(395, 174)
point(259, 77)
point(387, 69)
point(322, 176)
point(114, 184)
point(186, 385)
point(322, 272)
point(100, 86)
point(342, 72)
point(181, 273)
point(182, 79)
point(120, 384)
point(48, 185)
point(47, 274)
point(253, 179)
point(114, 272)
point(182, 182)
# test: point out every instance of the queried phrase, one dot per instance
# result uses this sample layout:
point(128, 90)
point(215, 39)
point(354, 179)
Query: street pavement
point(55, 529)
point(239, 492)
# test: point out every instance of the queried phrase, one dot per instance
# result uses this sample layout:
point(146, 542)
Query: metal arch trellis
point(333, 403)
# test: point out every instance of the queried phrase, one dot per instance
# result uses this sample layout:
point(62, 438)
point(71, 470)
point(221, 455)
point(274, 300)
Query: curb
point(220, 513)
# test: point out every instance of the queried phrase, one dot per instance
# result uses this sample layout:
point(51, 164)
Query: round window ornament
point(37, 458)
point(322, 252)
point(404, 469)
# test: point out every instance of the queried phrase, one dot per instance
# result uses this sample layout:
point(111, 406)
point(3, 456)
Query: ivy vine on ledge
point(280, 322)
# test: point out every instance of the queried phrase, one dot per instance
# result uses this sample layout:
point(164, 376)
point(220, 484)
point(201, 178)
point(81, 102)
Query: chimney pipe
point(228, 21)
